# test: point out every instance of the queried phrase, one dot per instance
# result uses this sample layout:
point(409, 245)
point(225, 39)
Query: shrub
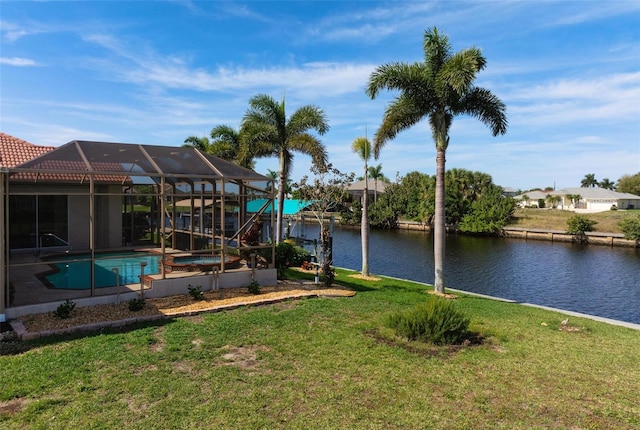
point(435, 321)
point(64, 310)
point(254, 287)
point(196, 292)
point(288, 255)
point(579, 224)
point(630, 227)
point(136, 304)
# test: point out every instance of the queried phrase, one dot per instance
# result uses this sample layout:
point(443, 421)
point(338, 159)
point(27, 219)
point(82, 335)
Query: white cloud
point(17, 61)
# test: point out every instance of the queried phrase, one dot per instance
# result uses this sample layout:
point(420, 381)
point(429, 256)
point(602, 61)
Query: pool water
point(198, 260)
point(76, 275)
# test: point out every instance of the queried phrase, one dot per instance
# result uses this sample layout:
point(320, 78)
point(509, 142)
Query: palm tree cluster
point(438, 89)
point(266, 131)
point(590, 181)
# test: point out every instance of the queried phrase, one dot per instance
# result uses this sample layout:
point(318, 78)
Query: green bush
point(631, 227)
point(136, 304)
point(288, 255)
point(254, 287)
point(64, 310)
point(435, 321)
point(579, 224)
point(196, 292)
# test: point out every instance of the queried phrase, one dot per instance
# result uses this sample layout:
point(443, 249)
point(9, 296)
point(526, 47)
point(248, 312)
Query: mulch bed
point(176, 305)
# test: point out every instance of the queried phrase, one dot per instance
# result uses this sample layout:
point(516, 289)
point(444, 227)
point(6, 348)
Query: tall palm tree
point(439, 88)
point(375, 173)
point(362, 147)
point(589, 181)
point(269, 133)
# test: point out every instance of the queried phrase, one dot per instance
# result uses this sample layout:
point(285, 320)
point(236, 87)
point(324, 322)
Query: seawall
point(593, 238)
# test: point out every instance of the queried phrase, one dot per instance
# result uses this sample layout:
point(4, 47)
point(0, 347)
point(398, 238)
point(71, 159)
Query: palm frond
point(308, 117)
point(310, 145)
point(399, 115)
point(437, 50)
point(362, 146)
point(461, 69)
point(482, 104)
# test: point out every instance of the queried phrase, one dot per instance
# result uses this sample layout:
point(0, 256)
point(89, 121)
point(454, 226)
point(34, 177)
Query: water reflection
point(596, 280)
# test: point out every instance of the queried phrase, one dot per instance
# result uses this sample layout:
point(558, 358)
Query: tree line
point(474, 203)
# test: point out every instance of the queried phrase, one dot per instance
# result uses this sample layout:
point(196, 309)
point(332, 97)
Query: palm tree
point(575, 199)
point(607, 184)
point(439, 88)
point(362, 147)
point(553, 200)
point(375, 173)
point(201, 143)
point(589, 181)
point(269, 133)
point(225, 143)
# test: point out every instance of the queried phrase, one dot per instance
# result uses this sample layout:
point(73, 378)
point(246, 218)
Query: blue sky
point(157, 72)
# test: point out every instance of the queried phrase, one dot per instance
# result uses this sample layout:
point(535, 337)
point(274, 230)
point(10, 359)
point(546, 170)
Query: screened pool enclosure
point(97, 219)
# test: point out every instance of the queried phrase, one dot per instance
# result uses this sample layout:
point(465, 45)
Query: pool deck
point(30, 291)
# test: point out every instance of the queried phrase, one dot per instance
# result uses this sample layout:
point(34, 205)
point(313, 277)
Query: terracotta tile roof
point(14, 151)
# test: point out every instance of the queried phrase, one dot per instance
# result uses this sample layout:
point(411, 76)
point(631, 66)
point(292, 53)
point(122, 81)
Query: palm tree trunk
point(364, 225)
point(282, 180)
point(439, 222)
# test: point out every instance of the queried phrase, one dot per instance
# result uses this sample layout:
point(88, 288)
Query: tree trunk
point(282, 180)
point(439, 222)
point(364, 225)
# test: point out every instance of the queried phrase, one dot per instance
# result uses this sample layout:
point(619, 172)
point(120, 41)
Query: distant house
point(590, 200)
point(356, 190)
point(531, 198)
point(509, 192)
point(596, 199)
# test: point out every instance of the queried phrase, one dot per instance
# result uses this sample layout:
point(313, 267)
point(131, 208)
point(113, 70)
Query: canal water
point(592, 279)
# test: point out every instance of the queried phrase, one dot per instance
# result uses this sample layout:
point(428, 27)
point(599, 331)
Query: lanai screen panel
point(181, 161)
point(105, 157)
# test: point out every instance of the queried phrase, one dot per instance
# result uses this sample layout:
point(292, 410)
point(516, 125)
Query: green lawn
point(556, 219)
point(315, 364)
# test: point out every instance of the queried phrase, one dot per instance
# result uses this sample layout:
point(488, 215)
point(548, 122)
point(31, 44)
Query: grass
point(554, 219)
point(327, 364)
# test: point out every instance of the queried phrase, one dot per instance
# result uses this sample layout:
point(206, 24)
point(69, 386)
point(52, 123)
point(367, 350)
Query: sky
point(155, 73)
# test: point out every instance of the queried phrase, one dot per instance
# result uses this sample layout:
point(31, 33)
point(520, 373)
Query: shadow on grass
point(470, 340)
point(16, 346)
point(345, 279)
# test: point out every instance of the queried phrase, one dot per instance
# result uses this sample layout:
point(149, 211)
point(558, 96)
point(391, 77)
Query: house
point(85, 203)
point(589, 200)
point(596, 199)
point(531, 198)
point(14, 151)
point(356, 189)
point(509, 192)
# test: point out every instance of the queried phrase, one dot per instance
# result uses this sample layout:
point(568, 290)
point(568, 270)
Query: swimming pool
point(76, 274)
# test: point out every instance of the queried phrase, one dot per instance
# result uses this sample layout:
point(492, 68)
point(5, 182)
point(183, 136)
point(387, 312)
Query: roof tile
point(14, 151)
